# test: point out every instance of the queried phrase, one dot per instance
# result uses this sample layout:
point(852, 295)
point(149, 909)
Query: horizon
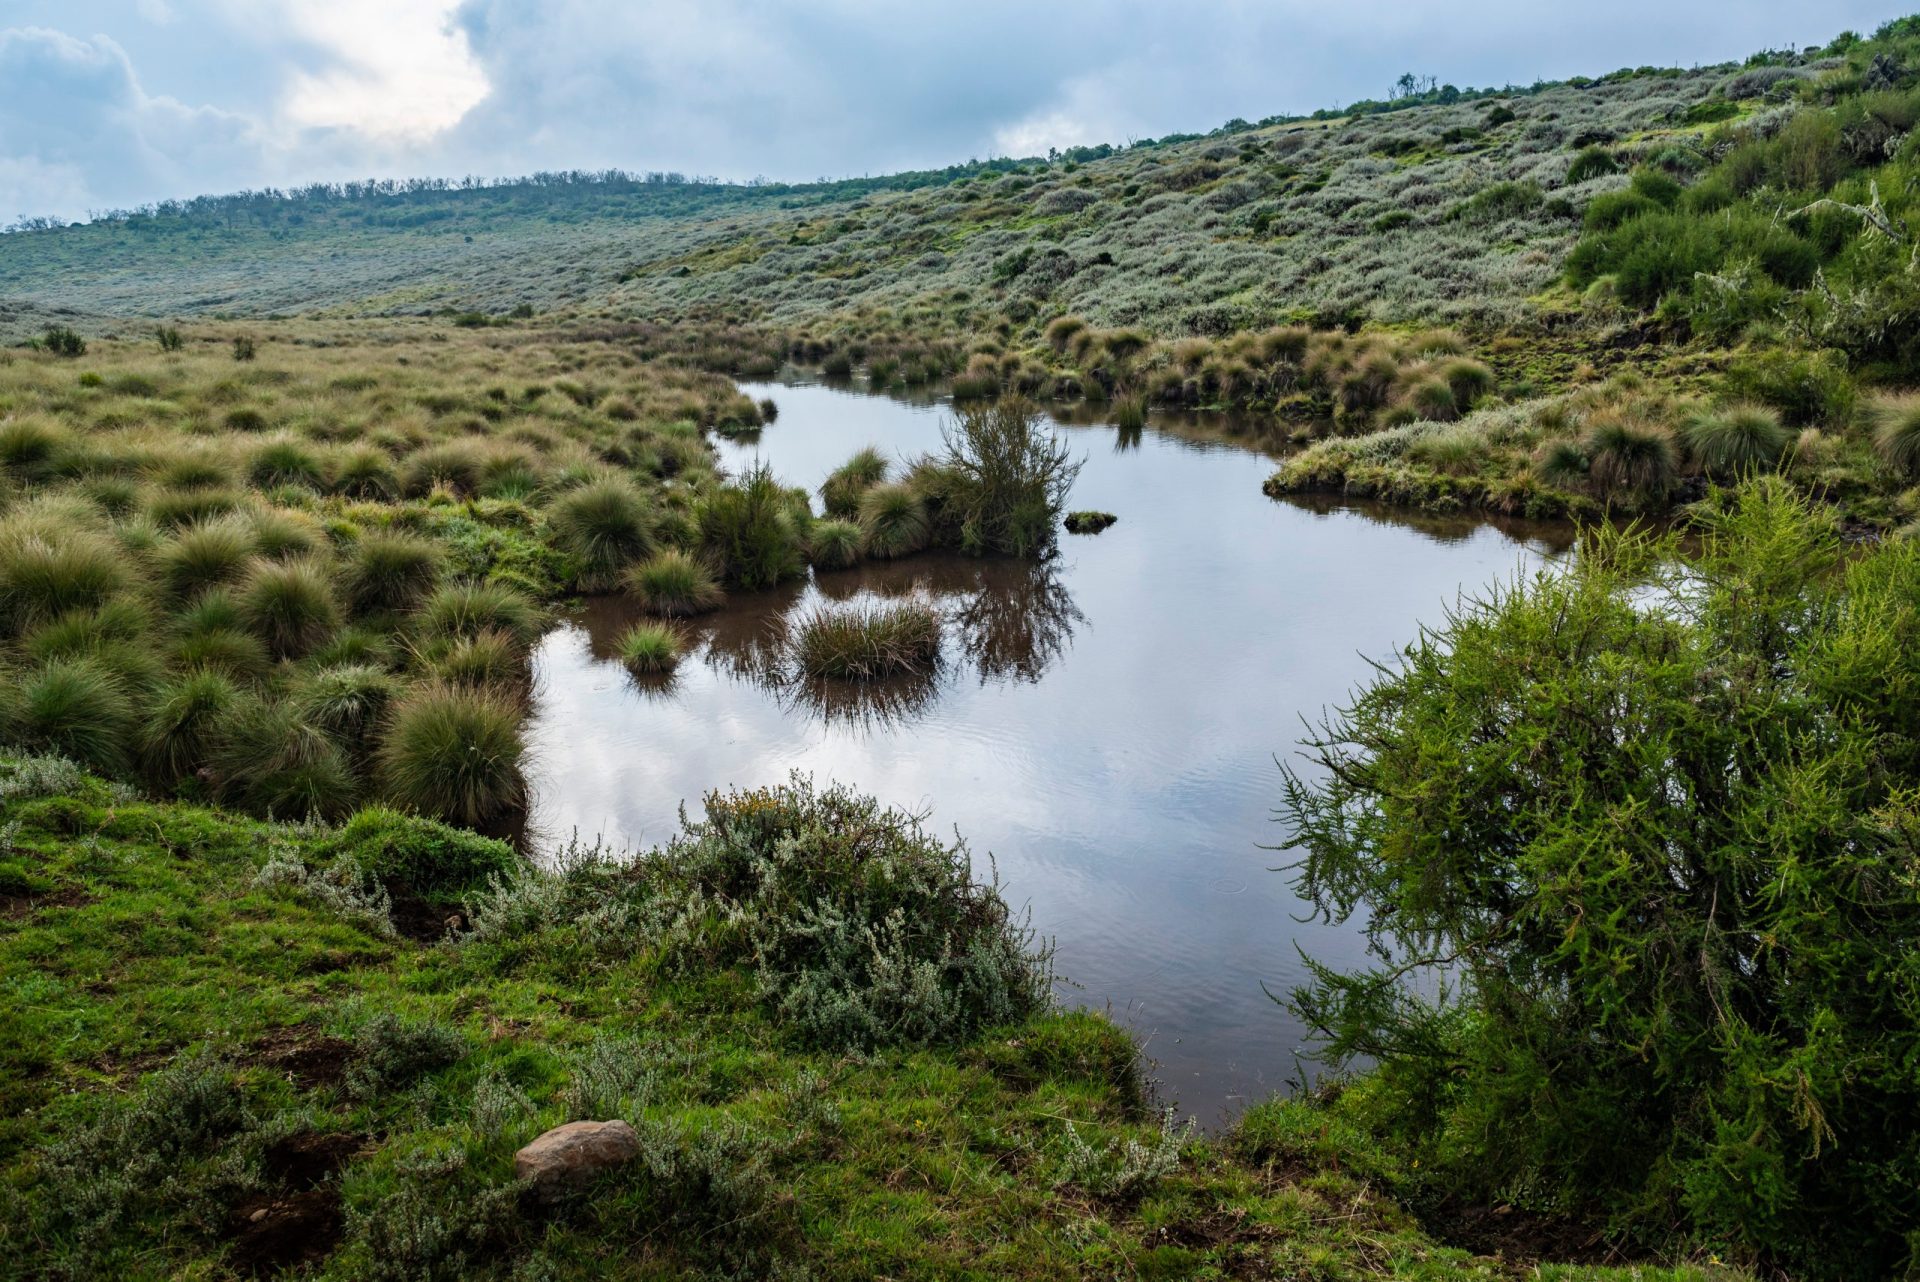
point(495, 90)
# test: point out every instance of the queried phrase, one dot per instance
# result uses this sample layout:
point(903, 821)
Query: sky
point(113, 103)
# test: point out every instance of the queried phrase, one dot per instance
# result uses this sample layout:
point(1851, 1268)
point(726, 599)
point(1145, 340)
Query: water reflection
point(1105, 725)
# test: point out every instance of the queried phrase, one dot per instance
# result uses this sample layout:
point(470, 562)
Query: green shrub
point(454, 754)
point(893, 522)
point(243, 348)
point(46, 572)
point(433, 860)
point(169, 338)
point(861, 929)
point(1002, 481)
point(1593, 162)
point(864, 643)
point(204, 555)
point(1807, 388)
point(62, 340)
point(391, 571)
point(650, 649)
point(749, 531)
point(289, 606)
point(604, 526)
point(1658, 850)
point(673, 582)
point(270, 762)
point(1735, 441)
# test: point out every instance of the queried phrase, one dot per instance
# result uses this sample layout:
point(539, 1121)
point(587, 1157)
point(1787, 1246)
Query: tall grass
point(1629, 462)
point(47, 570)
point(454, 754)
point(605, 526)
point(840, 494)
point(894, 522)
point(675, 583)
point(1735, 441)
point(203, 555)
point(391, 571)
point(290, 606)
point(1896, 434)
point(650, 649)
point(470, 609)
point(77, 709)
point(863, 643)
point(834, 544)
point(185, 723)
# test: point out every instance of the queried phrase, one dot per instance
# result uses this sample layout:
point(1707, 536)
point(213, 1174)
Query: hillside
point(1368, 215)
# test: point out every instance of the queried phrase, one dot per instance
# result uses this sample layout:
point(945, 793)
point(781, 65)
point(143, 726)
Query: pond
point(1104, 725)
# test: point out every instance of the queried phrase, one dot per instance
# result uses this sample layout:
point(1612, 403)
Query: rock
point(569, 1156)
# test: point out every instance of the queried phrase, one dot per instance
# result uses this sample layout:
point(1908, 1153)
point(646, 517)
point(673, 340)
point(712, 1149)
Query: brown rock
point(569, 1156)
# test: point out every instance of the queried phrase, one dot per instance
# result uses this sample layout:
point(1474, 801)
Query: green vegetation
point(651, 649)
point(1088, 522)
point(1660, 854)
point(340, 1083)
point(674, 583)
point(864, 643)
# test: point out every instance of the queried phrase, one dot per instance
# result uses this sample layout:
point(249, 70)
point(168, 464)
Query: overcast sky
point(110, 103)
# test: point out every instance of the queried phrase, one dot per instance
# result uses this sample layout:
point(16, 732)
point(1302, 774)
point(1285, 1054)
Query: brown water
point(1105, 725)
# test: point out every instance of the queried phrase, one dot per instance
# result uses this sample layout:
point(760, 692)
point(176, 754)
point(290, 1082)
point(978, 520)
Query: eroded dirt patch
point(309, 1057)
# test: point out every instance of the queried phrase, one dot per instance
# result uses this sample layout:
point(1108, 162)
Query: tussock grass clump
point(283, 535)
point(1629, 462)
point(347, 702)
point(674, 583)
point(47, 570)
point(454, 754)
point(391, 571)
point(604, 526)
point(650, 649)
point(1735, 441)
point(490, 660)
point(1896, 434)
point(77, 709)
point(286, 462)
point(290, 606)
point(470, 609)
point(834, 544)
point(840, 495)
point(894, 522)
point(366, 472)
point(185, 723)
point(33, 450)
point(271, 761)
point(1130, 413)
point(202, 556)
point(863, 643)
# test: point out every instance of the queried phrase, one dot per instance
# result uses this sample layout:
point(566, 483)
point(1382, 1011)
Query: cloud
point(291, 91)
point(76, 126)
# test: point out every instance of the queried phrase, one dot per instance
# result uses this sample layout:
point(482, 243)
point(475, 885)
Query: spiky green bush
point(1896, 434)
point(390, 571)
point(290, 606)
point(749, 531)
point(1736, 440)
point(674, 583)
point(605, 526)
point(201, 556)
point(893, 522)
point(454, 754)
point(185, 723)
point(1002, 482)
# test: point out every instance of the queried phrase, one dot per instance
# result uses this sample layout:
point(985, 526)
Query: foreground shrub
point(674, 583)
point(1662, 857)
point(454, 754)
point(864, 642)
point(431, 859)
point(861, 929)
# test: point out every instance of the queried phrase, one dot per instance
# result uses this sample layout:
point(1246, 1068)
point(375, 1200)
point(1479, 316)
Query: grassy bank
point(232, 1046)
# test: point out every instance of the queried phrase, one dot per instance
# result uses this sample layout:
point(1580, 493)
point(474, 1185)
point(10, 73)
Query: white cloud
point(399, 69)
